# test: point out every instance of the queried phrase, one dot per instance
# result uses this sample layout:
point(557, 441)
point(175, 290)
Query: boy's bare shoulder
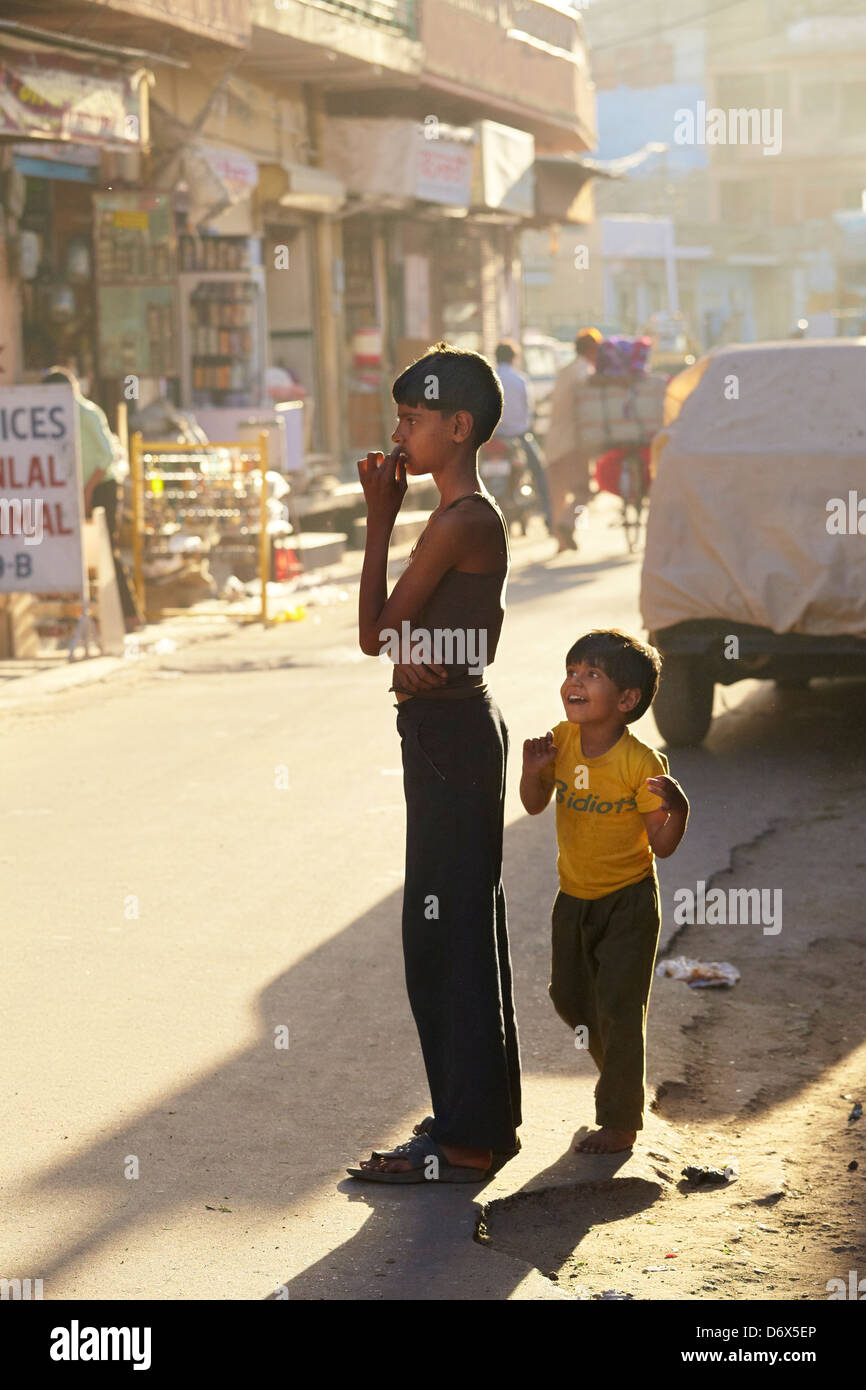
point(473, 511)
point(470, 522)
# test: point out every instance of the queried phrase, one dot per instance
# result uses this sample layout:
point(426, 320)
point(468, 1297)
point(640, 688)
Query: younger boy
point(616, 810)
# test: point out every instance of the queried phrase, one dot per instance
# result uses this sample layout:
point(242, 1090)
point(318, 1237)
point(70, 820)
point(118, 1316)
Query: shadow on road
point(241, 1134)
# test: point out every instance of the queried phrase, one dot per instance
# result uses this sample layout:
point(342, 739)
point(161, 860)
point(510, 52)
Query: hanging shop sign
point(40, 491)
point(215, 180)
point(396, 158)
point(55, 97)
point(504, 169)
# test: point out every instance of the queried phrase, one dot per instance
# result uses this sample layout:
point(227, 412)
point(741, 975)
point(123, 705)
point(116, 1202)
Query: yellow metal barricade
point(139, 449)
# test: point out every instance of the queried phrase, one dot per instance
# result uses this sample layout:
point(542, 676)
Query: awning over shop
point(300, 186)
point(216, 179)
point(53, 96)
point(561, 184)
point(401, 159)
point(504, 178)
point(44, 159)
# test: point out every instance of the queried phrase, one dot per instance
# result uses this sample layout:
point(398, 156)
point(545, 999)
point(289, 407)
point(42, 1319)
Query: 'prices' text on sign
point(40, 491)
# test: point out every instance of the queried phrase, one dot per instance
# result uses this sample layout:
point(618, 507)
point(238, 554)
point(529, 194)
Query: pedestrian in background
point(516, 418)
point(99, 476)
point(567, 459)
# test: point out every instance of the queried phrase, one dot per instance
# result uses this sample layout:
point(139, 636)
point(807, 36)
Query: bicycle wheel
point(631, 490)
point(631, 518)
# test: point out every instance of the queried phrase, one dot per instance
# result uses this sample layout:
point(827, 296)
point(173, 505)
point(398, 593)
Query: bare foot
point(458, 1158)
point(606, 1141)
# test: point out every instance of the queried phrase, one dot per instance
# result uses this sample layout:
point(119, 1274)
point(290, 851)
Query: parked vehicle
point(755, 560)
point(674, 348)
point(505, 473)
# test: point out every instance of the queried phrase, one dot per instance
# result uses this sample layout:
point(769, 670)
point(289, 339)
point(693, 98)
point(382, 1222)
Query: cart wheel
point(683, 707)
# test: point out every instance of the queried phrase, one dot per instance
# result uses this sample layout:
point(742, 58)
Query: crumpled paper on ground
point(699, 974)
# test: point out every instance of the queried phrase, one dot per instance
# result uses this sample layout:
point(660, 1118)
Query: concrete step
point(407, 527)
point(318, 549)
point(340, 509)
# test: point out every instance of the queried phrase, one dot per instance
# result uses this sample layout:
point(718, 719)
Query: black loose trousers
point(455, 941)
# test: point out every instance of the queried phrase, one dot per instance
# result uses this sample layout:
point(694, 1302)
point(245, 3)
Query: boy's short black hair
point(630, 664)
point(464, 380)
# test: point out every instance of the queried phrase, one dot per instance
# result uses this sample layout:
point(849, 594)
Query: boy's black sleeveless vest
point(462, 602)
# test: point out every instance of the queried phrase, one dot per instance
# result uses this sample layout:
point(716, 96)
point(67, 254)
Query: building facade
point(242, 187)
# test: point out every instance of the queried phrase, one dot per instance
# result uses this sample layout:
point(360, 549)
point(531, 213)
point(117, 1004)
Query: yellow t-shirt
point(600, 802)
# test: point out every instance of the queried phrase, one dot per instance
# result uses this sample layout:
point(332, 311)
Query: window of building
point(818, 99)
point(852, 106)
point(735, 90)
point(744, 201)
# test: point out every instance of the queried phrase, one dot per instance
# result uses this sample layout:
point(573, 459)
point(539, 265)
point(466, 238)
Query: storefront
point(296, 204)
point(429, 247)
point(65, 122)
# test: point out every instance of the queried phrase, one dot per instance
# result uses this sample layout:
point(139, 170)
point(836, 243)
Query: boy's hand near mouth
point(384, 483)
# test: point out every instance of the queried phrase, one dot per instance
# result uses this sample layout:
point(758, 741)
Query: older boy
point(454, 749)
point(616, 810)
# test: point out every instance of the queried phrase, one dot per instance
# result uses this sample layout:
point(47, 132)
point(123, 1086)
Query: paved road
point(204, 858)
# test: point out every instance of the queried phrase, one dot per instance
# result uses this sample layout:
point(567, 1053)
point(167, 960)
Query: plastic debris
point(234, 588)
point(856, 1112)
point(699, 974)
point(702, 1176)
point(610, 1295)
point(290, 615)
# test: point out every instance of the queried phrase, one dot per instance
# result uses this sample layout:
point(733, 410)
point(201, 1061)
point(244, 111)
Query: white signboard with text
point(41, 501)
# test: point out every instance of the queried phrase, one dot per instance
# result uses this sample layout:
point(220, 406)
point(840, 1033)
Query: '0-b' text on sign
point(40, 491)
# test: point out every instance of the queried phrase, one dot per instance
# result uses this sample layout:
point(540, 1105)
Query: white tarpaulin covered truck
point(755, 562)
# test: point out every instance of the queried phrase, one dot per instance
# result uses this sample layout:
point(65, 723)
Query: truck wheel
point(683, 707)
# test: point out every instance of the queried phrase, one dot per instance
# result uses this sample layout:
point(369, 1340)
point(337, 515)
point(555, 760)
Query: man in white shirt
point(567, 461)
point(516, 418)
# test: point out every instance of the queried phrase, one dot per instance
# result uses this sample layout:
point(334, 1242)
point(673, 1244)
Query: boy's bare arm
point(667, 826)
point(535, 792)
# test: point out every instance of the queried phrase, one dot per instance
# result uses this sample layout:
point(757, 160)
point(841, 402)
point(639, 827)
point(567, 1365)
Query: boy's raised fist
point(539, 753)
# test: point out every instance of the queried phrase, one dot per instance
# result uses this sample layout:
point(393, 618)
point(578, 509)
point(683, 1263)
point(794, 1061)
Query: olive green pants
point(601, 973)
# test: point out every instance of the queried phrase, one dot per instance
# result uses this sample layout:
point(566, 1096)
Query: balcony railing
point(530, 53)
point(398, 16)
point(219, 19)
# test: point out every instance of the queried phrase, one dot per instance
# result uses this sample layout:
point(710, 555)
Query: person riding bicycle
point(567, 457)
point(516, 416)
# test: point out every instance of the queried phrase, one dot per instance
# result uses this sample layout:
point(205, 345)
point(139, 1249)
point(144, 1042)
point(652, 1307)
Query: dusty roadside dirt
point(765, 1074)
